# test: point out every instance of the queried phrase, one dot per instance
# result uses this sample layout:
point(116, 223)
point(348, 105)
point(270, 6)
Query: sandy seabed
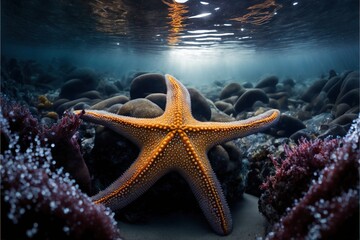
point(248, 223)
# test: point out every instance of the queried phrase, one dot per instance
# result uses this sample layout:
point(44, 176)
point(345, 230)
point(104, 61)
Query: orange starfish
point(175, 141)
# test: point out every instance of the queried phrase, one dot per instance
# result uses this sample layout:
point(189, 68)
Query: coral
point(66, 148)
point(293, 176)
point(328, 206)
point(40, 201)
point(44, 102)
point(20, 121)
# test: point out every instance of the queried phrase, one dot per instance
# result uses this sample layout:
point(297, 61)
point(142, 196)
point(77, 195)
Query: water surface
point(197, 41)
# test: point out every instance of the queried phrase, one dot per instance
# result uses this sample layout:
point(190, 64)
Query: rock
point(299, 135)
point(317, 103)
point(333, 90)
point(341, 109)
point(351, 82)
point(52, 115)
point(93, 94)
point(73, 88)
point(233, 151)
point(335, 130)
point(158, 98)
point(278, 100)
point(304, 115)
point(318, 122)
point(141, 108)
point(248, 85)
point(283, 103)
point(267, 82)
point(69, 104)
point(222, 106)
point(278, 95)
point(247, 99)
point(219, 83)
point(230, 111)
point(78, 81)
point(354, 109)
point(110, 89)
point(231, 99)
point(289, 125)
point(330, 83)
point(258, 105)
point(87, 75)
point(200, 108)
point(344, 119)
point(59, 102)
point(146, 84)
point(269, 89)
point(220, 117)
point(81, 106)
point(289, 82)
point(109, 102)
point(313, 90)
point(111, 155)
point(288, 85)
point(115, 108)
point(219, 158)
point(327, 107)
point(351, 98)
point(274, 103)
point(232, 89)
point(47, 121)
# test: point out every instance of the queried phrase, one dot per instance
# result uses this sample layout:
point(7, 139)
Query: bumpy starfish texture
point(175, 141)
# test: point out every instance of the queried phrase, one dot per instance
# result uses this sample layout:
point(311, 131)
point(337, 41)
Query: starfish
point(175, 141)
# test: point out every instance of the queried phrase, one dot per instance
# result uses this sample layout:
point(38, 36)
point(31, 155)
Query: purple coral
point(65, 150)
point(294, 175)
point(21, 121)
point(329, 207)
point(39, 202)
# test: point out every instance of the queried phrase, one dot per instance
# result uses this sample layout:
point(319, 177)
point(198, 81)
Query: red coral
point(294, 175)
point(329, 207)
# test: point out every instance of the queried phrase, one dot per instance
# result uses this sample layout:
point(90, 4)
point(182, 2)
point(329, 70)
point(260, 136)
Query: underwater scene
point(180, 119)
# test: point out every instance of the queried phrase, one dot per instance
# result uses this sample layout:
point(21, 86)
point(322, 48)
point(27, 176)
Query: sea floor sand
point(248, 224)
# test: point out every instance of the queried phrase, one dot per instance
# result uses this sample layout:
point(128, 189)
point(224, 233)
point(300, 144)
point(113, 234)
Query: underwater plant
point(41, 201)
point(315, 190)
point(293, 175)
point(66, 148)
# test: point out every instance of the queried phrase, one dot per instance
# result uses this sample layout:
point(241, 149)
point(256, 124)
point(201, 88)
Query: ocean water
point(196, 41)
point(242, 58)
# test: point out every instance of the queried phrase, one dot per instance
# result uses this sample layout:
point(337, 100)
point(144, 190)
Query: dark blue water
point(197, 41)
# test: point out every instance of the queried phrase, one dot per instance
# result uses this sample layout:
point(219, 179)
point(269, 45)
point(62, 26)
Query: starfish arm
point(219, 132)
point(196, 170)
point(208, 192)
point(140, 176)
point(136, 129)
point(178, 108)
